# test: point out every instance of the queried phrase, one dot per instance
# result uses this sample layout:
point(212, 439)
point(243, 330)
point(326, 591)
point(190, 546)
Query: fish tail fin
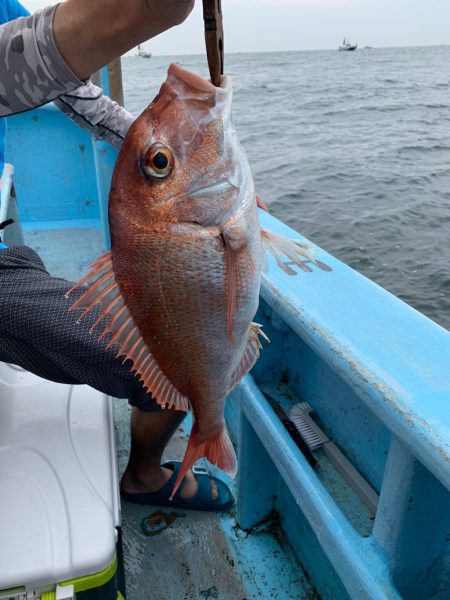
point(218, 450)
point(296, 252)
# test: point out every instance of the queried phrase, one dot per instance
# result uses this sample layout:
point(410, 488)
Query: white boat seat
point(59, 503)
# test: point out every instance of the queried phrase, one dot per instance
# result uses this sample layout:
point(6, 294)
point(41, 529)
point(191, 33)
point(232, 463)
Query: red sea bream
point(181, 282)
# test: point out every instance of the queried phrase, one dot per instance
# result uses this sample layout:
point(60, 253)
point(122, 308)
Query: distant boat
point(347, 46)
point(143, 53)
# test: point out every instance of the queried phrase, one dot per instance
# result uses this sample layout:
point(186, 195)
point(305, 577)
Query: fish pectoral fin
point(231, 273)
point(218, 450)
point(297, 252)
point(251, 353)
point(236, 268)
point(103, 289)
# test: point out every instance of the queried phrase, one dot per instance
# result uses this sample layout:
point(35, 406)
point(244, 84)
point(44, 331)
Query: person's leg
point(150, 434)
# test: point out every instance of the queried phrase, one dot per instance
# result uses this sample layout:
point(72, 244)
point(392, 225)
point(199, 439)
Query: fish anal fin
point(218, 450)
point(103, 289)
point(251, 353)
point(296, 253)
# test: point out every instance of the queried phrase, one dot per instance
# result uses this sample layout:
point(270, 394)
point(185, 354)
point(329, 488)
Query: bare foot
point(190, 486)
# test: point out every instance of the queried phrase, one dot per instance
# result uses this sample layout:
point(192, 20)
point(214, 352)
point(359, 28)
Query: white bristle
point(298, 417)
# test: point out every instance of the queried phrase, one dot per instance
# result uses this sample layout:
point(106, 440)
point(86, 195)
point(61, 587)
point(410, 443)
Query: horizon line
point(130, 55)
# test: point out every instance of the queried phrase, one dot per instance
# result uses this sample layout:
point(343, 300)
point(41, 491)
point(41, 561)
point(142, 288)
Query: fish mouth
point(223, 185)
point(192, 79)
point(197, 81)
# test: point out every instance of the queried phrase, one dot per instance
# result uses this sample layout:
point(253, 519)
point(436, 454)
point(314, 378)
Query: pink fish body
point(182, 279)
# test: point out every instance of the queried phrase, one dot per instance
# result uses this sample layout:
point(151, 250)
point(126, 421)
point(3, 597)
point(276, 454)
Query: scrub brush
point(315, 438)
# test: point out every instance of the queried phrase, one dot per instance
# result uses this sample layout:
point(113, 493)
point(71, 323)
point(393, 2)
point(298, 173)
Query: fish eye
point(158, 160)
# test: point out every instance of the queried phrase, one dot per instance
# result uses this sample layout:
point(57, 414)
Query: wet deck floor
point(201, 555)
point(188, 559)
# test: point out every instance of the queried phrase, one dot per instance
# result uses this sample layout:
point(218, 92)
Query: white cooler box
point(59, 503)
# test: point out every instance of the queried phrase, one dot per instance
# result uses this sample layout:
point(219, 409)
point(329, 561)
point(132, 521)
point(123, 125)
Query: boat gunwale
point(398, 401)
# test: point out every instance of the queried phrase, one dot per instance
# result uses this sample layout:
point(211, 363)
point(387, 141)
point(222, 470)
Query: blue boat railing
point(377, 374)
point(374, 370)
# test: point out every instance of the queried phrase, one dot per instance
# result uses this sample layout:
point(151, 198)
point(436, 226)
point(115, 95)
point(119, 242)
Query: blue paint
point(266, 563)
point(374, 369)
point(11, 9)
point(357, 561)
point(393, 357)
point(413, 527)
point(54, 171)
point(307, 547)
point(73, 224)
point(105, 158)
point(255, 501)
point(309, 378)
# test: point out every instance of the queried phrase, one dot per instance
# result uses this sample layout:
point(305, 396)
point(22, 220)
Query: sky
point(275, 25)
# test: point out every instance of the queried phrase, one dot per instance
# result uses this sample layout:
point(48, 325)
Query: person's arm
point(86, 106)
point(98, 114)
point(32, 70)
point(45, 55)
point(89, 34)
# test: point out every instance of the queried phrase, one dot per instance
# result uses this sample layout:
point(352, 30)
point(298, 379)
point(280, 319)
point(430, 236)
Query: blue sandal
point(201, 501)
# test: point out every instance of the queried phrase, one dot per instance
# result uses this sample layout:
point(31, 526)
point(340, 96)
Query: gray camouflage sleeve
point(34, 73)
point(32, 70)
point(98, 114)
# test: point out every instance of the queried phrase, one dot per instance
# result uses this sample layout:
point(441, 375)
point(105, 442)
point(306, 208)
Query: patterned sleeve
point(34, 73)
point(32, 70)
point(96, 113)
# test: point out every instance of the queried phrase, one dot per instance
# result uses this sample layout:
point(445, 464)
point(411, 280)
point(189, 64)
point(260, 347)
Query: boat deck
point(199, 555)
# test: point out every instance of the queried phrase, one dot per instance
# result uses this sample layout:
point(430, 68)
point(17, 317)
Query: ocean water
point(350, 149)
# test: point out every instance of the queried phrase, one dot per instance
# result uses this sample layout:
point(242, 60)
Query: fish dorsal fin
point(297, 252)
point(103, 289)
point(251, 353)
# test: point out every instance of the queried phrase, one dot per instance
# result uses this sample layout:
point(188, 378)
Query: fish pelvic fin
point(297, 253)
point(251, 353)
point(116, 320)
point(218, 450)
